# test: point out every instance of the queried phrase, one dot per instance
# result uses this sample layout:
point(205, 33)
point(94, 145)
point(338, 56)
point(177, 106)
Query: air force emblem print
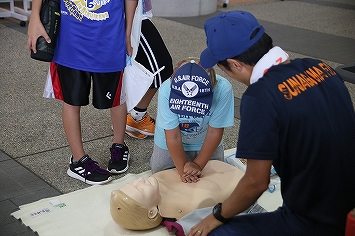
point(190, 89)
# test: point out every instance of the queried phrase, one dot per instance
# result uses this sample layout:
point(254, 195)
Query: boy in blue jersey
point(91, 47)
point(194, 107)
point(296, 115)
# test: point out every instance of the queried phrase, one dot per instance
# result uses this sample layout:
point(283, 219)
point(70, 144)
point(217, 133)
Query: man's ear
point(153, 212)
point(235, 64)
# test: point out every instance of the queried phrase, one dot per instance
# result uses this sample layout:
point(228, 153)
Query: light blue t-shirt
point(194, 129)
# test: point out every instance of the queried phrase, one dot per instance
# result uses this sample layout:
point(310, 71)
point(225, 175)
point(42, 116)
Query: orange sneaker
point(145, 126)
point(135, 134)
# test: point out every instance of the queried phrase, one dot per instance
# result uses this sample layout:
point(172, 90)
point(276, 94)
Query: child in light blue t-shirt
point(194, 107)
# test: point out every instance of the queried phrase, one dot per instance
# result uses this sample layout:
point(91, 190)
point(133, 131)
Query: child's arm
point(176, 150)
point(209, 146)
point(35, 27)
point(130, 8)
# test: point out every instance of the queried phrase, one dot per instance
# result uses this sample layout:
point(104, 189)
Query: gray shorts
point(161, 159)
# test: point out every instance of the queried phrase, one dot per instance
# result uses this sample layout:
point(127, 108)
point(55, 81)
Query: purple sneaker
point(88, 171)
point(119, 159)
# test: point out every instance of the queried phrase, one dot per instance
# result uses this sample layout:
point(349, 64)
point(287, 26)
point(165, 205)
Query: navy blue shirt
point(300, 115)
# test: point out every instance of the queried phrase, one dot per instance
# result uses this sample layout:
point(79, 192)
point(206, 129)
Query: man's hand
point(205, 226)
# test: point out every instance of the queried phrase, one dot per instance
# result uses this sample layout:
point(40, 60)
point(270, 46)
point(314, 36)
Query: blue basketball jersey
point(92, 35)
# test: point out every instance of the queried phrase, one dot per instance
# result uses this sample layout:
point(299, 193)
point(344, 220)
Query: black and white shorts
point(153, 53)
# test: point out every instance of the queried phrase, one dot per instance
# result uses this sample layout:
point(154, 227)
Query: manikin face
point(143, 191)
point(135, 205)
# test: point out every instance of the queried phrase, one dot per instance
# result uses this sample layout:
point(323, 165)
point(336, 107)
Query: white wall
point(183, 8)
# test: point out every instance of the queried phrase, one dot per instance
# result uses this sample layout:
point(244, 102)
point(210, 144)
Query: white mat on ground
point(87, 211)
point(82, 212)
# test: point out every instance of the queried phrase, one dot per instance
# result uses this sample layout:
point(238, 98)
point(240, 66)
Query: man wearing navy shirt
point(296, 115)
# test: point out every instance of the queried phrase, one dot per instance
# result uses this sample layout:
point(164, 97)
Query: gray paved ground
point(33, 150)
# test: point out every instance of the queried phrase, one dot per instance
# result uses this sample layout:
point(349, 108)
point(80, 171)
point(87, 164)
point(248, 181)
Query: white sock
point(137, 115)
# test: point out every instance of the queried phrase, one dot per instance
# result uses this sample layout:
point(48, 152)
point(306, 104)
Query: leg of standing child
point(153, 54)
point(81, 166)
point(72, 128)
point(119, 151)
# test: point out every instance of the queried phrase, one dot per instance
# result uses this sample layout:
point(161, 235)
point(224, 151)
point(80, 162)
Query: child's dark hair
point(253, 54)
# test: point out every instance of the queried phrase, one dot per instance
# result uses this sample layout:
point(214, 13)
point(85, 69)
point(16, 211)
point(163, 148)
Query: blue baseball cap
point(191, 90)
point(228, 35)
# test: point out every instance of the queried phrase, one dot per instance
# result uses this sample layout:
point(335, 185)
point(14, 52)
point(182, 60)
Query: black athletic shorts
point(75, 86)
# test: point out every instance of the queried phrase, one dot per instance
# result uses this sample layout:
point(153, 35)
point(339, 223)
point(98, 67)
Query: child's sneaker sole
point(115, 172)
point(134, 129)
point(135, 134)
point(78, 177)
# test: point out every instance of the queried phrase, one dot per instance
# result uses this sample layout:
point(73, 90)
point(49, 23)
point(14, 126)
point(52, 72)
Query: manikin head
point(135, 205)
